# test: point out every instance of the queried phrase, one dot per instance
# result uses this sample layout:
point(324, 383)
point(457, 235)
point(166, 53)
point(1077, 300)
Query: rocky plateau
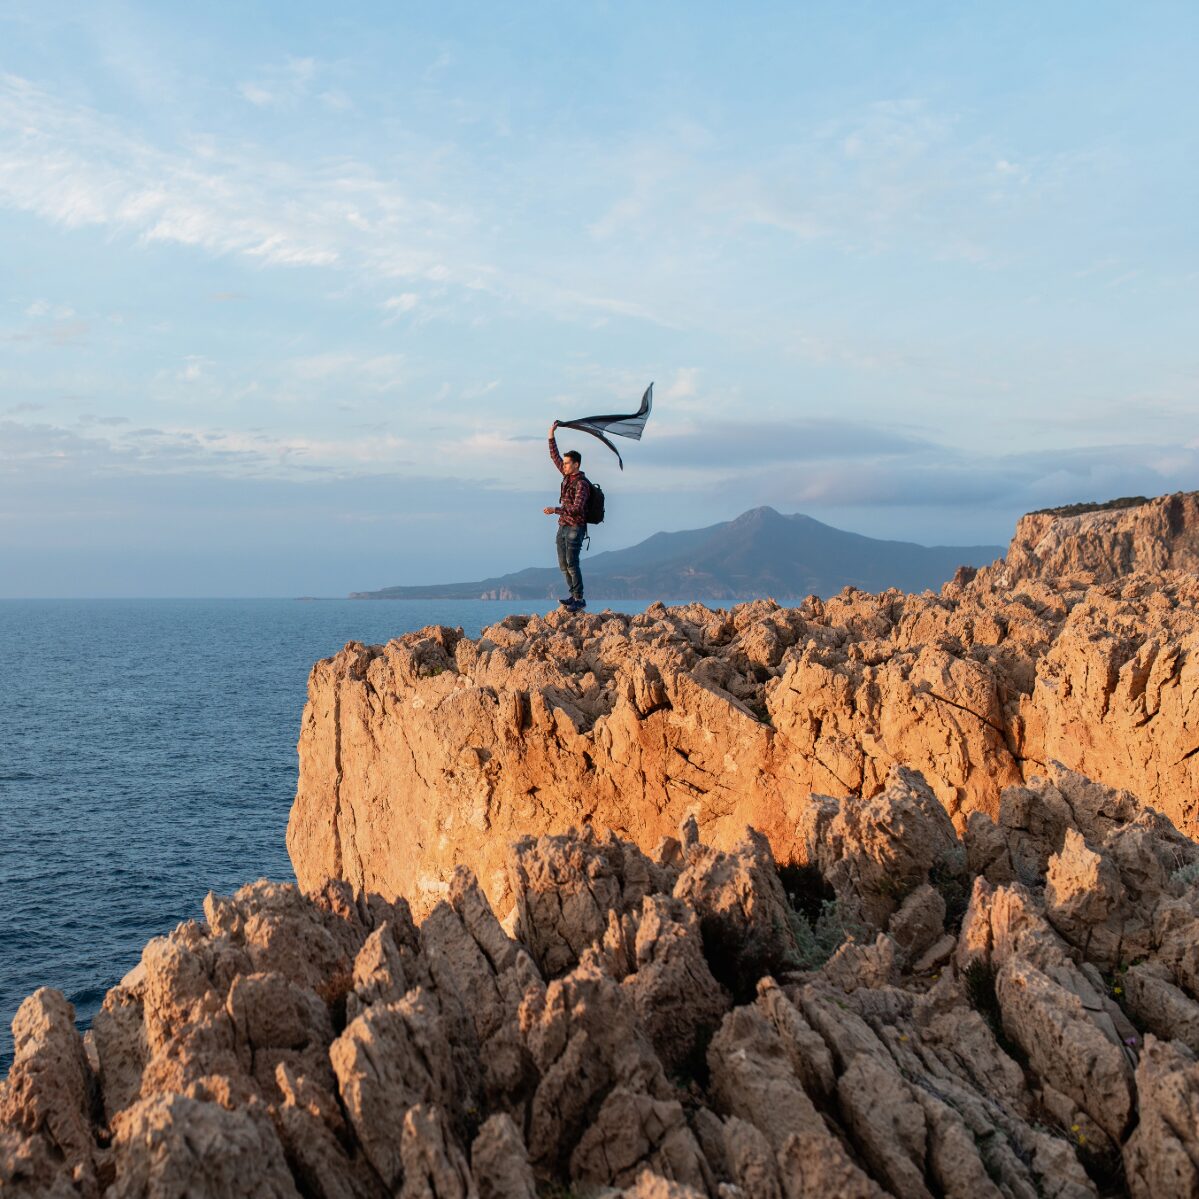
point(885, 895)
point(436, 750)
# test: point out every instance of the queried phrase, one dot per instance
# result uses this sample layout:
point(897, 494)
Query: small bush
point(819, 925)
point(1186, 876)
point(1126, 501)
point(892, 888)
point(555, 1190)
point(817, 940)
point(805, 889)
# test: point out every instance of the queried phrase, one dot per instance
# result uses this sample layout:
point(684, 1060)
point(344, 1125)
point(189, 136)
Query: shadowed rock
point(1162, 1155)
point(173, 1145)
point(650, 1029)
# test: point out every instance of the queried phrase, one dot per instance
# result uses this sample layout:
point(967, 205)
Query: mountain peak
point(763, 515)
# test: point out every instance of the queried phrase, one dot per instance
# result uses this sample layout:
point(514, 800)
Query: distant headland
point(760, 553)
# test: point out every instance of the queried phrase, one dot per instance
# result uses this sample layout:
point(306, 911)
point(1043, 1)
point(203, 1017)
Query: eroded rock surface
point(436, 750)
point(914, 1014)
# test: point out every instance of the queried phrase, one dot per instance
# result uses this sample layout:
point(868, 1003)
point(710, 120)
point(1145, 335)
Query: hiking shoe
point(567, 601)
point(577, 605)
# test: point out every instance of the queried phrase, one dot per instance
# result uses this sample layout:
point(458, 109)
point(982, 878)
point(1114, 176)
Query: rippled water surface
point(147, 756)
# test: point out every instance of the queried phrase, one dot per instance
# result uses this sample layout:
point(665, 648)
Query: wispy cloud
point(75, 167)
point(110, 446)
point(61, 333)
point(399, 306)
point(977, 481)
point(376, 372)
point(902, 173)
point(192, 370)
point(58, 312)
point(281, 86)
point(725, 444)
point(48, 324)
point(89, 418)
point(802, 465)
point(669, 232)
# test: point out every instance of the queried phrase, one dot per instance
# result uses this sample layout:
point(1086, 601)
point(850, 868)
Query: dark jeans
point(570, 539)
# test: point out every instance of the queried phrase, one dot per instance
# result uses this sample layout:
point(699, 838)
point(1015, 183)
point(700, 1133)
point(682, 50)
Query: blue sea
point(147, 756)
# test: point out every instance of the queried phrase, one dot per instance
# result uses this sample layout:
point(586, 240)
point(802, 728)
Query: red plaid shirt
point(572, 500)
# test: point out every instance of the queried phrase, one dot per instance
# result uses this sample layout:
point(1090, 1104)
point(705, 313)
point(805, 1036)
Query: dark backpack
point(593, 510)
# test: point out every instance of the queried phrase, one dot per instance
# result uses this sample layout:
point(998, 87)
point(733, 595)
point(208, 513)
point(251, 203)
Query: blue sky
point(289, 292)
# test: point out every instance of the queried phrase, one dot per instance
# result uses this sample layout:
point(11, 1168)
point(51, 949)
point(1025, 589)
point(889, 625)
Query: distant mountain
point(760, 553)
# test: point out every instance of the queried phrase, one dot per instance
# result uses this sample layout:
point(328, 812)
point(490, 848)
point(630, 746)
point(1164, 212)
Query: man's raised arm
point(555, 457)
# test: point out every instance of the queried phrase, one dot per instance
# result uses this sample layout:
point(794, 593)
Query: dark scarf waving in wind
point(631, 425)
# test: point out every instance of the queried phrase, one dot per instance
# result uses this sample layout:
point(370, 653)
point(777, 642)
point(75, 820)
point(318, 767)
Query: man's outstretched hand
point(553, 427)
point(548, 511)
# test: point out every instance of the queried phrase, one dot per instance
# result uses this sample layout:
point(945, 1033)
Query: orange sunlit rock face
point(436, 750)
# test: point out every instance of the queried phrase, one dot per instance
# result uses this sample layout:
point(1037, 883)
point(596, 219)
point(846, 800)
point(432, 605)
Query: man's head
point(572, 462)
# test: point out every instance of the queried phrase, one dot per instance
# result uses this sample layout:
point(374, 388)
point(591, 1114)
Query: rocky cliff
point(973, 973)
point(1101, 542)
point(1013, 1011)
point(436, 750)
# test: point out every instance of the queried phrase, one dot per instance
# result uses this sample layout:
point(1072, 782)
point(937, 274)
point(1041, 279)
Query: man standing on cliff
point(572, 519)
